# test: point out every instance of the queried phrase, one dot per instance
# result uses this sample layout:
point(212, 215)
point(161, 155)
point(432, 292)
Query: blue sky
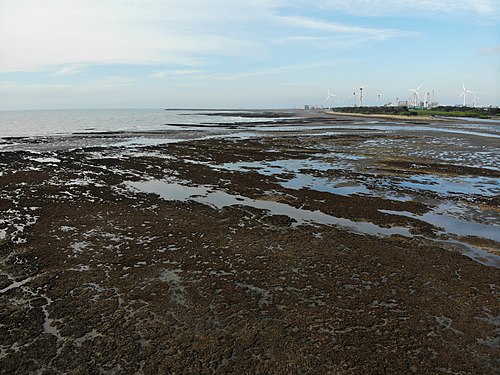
point(244, 54)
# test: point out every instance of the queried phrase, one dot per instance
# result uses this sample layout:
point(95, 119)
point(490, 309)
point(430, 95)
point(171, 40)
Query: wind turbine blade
point(462, 94)
point(463, 85)
point(418, 88)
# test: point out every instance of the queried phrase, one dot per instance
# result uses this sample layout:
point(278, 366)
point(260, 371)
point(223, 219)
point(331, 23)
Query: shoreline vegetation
point(405, 113)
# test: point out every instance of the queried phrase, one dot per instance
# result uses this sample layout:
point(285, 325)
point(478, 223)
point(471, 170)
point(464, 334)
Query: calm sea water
point(61, 122)
point(54, 122)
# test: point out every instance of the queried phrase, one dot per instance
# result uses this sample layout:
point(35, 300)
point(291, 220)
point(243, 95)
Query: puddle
point(15, 284)
point(329, 161)
point(460, 185)
point(143, 142)
point(300, 180)
point(177, 291)
point(478, 255)
point(46, 160)
point(219, 199)
point(443, 217)
point(48, 326)
point(340, 186)
point(452, 225)
point(304, 180)
point(489, 132)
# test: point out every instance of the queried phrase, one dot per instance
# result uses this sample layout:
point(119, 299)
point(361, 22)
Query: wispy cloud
point(432, 8)
point(177, 73)
point(310, 23)
point(271, 71)
point(337, 28)
point(150, 50)
point(489, 51)
point(35, 35)
point(70, 70)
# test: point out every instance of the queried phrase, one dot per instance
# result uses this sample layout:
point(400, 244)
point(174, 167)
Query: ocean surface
point(56, 122)
point(20, 130)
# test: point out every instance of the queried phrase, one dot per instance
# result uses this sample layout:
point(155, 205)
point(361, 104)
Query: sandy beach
point(293, 248)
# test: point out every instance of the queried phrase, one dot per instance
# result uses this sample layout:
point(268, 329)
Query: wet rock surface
point(290, 253)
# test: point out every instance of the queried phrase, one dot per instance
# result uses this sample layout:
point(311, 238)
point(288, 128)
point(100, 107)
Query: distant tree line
point(376, 110)
point(438, 111)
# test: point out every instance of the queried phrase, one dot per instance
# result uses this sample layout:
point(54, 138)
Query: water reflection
point(220, 199)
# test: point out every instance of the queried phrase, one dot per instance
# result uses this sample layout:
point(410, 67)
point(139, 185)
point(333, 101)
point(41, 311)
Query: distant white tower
point(474, 101)
point(361, 96)
point(329, 98)
point(379, 96)
point(427, 100)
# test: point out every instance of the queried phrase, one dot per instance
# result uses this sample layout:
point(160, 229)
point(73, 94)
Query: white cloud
point(176, 73)
point(70, 69)
point(38, 34)
point(340, 28)
point(226, 48)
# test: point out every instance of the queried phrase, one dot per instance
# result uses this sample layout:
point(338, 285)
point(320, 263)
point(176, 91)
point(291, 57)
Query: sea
point(18, 129)
point(35, 123)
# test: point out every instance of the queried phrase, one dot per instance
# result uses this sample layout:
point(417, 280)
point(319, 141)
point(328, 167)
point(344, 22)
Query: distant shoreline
point(387, 116)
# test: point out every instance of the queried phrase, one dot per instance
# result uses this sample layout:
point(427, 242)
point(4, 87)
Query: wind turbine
point(329, 98)
point(464, 94)
point(415, 95)
point(354, 98)
point(361, 95)
point(379, 96)
point(474, 101)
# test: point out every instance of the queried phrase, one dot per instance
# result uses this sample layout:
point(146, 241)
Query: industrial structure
point(415, 101)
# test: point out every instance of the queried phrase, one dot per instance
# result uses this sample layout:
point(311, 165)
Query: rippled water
point(54, 122)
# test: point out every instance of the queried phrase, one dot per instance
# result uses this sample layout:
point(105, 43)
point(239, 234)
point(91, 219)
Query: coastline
point(391, 117)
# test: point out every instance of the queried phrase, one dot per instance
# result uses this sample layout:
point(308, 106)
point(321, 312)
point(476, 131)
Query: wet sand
point(274, 248)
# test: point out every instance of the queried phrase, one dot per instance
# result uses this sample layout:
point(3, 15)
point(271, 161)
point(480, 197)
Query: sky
point(62, 54)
